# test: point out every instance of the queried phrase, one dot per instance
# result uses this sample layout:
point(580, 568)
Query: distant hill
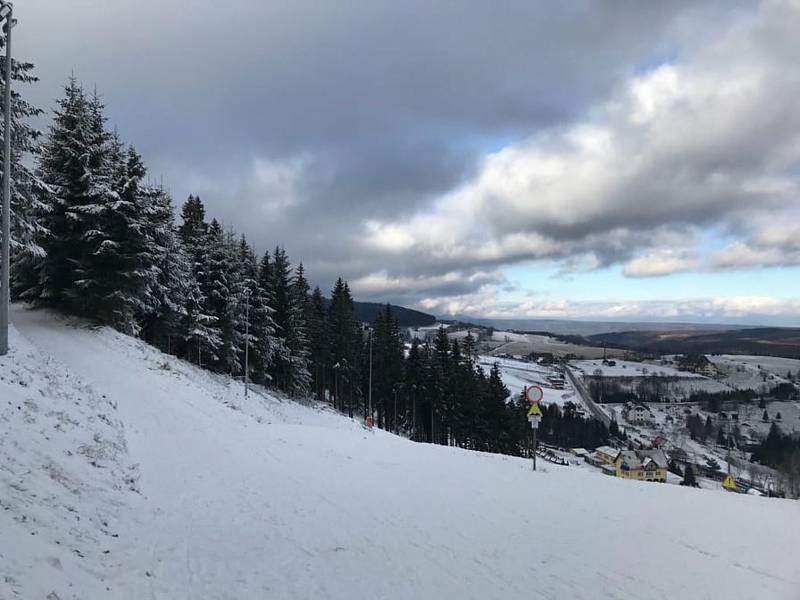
point(768, 341)
point(366, 312)
point(586, 328)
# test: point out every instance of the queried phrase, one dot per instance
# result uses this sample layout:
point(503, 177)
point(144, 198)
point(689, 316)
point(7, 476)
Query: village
point(668, 415)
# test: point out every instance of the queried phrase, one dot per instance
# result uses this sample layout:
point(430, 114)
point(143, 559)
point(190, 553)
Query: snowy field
point(755, 372)
point(519, 344)
point(626, 368)
point(517, 375)
point(129, 474)
point(680, 389)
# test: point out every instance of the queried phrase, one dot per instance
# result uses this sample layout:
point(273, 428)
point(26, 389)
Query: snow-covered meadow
point(196, 492)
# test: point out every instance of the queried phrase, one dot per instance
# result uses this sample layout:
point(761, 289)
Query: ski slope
point(518, 375)
point(198, 493)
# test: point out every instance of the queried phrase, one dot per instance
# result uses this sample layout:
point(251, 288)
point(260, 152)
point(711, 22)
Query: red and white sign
point(534, 394)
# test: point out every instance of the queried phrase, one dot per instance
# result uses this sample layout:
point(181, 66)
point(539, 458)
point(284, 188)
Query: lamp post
point(246, 339)
point(8, 22)
point(397, 388)
point(414, 411)
point(370, 416)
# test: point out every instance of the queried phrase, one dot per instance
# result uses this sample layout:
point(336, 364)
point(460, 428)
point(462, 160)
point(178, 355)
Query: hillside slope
point(272, 499)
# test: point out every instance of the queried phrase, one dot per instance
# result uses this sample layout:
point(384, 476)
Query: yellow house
point(643, 465)
point(606, 454)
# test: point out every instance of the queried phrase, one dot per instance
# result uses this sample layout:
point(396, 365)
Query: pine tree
point(266, 343)
point(170, 276)
point(297, 340)
point(345, 345)
point(689, 478)
point(218, 287)
point(27, 188)
point(319, 356)
point(199, 325)
point(62, 169)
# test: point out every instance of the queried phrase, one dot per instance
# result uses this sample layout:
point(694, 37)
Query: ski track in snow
point(267, 498)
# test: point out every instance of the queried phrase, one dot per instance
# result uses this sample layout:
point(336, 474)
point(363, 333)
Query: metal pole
point(414, 412)
point(534, 449)
point(246, 340)
point(432, 406)
point(5, 296)
point(370, 372)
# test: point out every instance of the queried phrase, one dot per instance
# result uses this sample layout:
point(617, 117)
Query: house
point(606, 455)
point(707, 368)
point(699, 363)
point(637, 413)
point(643, 465)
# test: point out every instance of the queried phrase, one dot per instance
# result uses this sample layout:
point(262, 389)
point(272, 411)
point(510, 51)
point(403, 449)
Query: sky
point(619, 160)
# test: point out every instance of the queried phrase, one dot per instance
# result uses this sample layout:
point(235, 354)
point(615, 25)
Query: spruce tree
point(199, 325)
point(63, 168)
point(319, 357)
point(27, 188)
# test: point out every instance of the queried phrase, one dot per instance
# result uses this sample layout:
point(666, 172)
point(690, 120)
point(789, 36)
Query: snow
point(754, 372)
point(267, 498)
point(626, 368)
point(517, 375)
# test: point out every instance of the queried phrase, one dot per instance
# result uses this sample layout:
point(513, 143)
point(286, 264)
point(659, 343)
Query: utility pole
point(5, 264)
point(369, 418)
point(414, 412)
point(246, 339)
point(397, 388)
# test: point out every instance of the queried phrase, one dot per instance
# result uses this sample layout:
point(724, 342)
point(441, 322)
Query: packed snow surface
point(264, 498)
point(518, 375)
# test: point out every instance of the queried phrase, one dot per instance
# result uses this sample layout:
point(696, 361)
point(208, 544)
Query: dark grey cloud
point(361, 135)
point(390, 104)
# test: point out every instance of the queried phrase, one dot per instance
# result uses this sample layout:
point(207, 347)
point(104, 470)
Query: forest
point(93, 237)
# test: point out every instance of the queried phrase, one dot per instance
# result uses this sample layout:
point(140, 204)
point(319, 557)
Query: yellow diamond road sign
point(534, 411)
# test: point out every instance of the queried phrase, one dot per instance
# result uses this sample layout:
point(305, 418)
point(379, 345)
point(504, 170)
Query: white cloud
point(660, 263)
point(706, 142)
point(488, 303)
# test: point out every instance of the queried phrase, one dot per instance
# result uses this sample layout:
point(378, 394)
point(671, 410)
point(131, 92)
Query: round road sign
point(534, 394)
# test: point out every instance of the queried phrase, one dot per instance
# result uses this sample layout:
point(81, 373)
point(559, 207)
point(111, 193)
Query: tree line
point(94, 237)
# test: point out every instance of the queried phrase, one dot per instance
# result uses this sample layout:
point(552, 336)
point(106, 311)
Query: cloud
point(659, 264)
point(761, 309)
point(419, 157)
point(705, 141)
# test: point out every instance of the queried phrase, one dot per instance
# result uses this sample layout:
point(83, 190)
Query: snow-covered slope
point(272, 499)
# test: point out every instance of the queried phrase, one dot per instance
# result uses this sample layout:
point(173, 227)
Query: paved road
point(580, 388)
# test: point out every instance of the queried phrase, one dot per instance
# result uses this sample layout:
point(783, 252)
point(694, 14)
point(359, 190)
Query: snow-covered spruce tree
point(119, 274)
point(199, 326)
point(253, 302)
point(266, 344)
point(317, 323)
point(218, 289)
point(97, 216)
point(345, 347)
point(289, 365)
point(63, 167)
point(26, 187)
point(281, 295)
point(297, 341)
point(170, 276)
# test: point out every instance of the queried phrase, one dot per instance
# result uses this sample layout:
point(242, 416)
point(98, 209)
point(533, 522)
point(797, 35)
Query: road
point(580, 389)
